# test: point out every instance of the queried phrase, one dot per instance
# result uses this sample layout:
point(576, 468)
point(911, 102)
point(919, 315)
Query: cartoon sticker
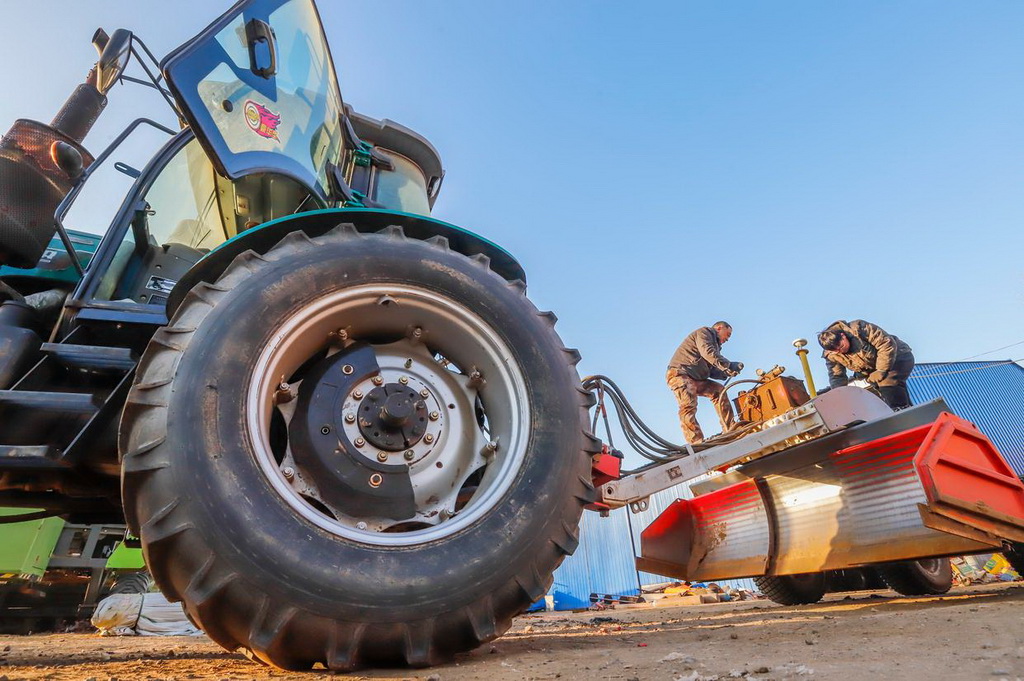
point(262, 120)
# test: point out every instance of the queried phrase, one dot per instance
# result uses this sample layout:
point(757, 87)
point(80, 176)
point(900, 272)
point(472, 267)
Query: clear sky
point(656, 166)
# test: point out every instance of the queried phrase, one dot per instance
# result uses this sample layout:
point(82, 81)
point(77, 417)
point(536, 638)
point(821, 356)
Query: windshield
point(259, 89)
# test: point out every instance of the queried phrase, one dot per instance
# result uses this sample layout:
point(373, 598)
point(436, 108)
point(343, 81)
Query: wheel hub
point(393, 417)
point(387, 441)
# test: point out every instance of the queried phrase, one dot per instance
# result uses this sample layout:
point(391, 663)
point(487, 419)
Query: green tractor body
point(342, 433)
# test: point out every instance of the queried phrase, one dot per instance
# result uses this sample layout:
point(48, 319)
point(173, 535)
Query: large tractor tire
point(793, 589)
point(926, 577)
point(356, 450)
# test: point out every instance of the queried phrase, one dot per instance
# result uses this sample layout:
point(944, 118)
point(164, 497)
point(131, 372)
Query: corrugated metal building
point(985, 393)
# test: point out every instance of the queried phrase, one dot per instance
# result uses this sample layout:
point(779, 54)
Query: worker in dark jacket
point(870, 353)
point(697, 360)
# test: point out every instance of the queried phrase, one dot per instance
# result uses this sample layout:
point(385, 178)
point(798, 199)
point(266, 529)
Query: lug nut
point(434, 416)
point(288, 472)
point(347, 369)
point(409, 455)
point(444, 514)
point(382, 456)
point(404, 380)
point(350, 418)
point(424, 393)
point(377, 380)
point(428, 438)
point(417, 332)
point(358, 394)
point(376, 479)
point(360, 442)
point(360, 525)
point(285, 393)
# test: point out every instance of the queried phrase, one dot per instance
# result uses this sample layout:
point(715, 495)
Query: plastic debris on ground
point(149, 614)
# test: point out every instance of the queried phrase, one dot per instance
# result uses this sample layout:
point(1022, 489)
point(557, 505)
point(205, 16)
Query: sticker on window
point(262, 120)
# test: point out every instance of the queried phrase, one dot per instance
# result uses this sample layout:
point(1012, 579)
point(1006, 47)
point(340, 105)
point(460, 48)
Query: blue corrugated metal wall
point(602, 564)
point(985, 393)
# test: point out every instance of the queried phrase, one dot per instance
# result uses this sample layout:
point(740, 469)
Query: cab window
point(188, 210)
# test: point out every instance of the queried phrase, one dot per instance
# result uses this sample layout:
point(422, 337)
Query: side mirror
point(113, 59)
point(67, 158)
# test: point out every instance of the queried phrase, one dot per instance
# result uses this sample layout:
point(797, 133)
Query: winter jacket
point(699, 356)
point(871, 349)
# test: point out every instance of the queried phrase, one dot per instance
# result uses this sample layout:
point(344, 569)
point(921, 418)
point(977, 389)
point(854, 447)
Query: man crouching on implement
point(696, 361)
point(870, 353)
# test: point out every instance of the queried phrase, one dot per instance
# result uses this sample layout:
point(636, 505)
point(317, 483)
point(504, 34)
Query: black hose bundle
point(639, 435)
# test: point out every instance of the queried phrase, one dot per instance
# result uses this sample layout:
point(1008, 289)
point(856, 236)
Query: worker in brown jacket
point(696, 361)
point(870, 353)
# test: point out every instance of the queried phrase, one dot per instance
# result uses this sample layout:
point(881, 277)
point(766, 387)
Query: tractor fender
point(317, 222)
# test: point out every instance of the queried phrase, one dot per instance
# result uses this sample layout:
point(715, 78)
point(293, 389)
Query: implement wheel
point(793, 589)
point(926, 577)
point(357, 449)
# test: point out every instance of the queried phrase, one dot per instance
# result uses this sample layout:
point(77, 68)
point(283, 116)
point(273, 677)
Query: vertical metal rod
point(801, 352)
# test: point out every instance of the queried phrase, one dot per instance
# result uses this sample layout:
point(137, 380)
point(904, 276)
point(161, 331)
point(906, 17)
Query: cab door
point(259, 90)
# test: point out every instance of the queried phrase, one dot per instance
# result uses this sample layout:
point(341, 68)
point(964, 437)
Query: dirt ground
point(970, 633)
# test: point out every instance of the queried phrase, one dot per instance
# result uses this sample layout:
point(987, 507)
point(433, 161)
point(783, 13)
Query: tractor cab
point(266, 136)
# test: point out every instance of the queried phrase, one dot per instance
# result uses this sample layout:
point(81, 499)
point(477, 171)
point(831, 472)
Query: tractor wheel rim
point(440, 349)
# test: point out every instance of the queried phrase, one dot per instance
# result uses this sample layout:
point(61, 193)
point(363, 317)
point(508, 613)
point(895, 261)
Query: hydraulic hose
point(640, 437)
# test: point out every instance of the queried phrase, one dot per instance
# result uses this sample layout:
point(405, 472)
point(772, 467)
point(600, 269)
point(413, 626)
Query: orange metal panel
point(964, 475)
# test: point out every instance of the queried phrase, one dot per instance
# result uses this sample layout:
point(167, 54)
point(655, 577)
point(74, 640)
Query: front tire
point(303, 522)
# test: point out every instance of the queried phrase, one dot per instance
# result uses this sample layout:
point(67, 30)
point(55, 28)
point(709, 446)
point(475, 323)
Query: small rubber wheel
point(131, 583)
point(793, 589)
point(926, 577)
point(356, 450)
point(1014, 555)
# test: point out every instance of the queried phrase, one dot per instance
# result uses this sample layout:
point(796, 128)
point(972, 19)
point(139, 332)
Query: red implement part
point(687, 540)
point(605, 467)
point(966, 479)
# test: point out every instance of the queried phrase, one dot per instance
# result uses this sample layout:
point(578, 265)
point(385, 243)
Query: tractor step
point(61, 403)
point(91, 357)
point(29, 458)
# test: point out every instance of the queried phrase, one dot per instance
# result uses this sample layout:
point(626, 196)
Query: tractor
point(341, 432)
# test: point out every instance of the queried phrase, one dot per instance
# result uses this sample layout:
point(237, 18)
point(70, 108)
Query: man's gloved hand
point(876, 377)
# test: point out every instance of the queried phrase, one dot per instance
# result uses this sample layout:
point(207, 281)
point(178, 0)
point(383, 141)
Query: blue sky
point(658, 166)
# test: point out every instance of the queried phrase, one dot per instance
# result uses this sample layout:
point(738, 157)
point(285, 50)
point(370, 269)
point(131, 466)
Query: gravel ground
point(971, 633)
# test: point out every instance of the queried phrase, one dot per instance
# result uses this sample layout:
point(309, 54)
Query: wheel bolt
point(377, 380)
point(428, 438)
point(288, 472)
point(358, 394)
point(424, 393)
point(360, 525)
point(376, 479)
point(409, 455)
point(360, 442)
point(434, 416)
point(382, 456)
point(347, 369)
point(350, 418)
point(404, 380)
